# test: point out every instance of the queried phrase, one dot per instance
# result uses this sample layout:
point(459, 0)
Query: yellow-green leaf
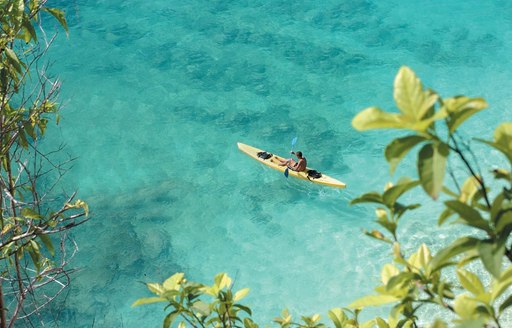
point(461, 108)
point(431, 167)
point(373, 300)
point(470, 282)
point(172, 283)
point(375, 118)
point(241, 294)
point(399, 147)
point(148, 300)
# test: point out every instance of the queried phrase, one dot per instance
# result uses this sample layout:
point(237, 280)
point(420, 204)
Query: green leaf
point(398, 148)
point(375, 118)
point(243, 308)
point(388, 271)
point(460, 109)
point(373, 300)
point(172, 283)
point(469, 215)
point(472, 323)
point(248, 323)
point(469, 189)
point(29, 33)
point(505, 304)
point(30, 214)
point(13, 59)
point(381, 323)
point(443, 257)
point(371, 197)
point(409, 95)
point(431, 167)
point(502, 140)
point(48, 243)
point(222, 280)
point(59, 15)
point(445, 215)
point(241, 294)
point(156, 288)
point(148, 300)
point(393, 193)
point(202, 308)
point(439, 324)
point(492, 256)
point(465, 307)
point(338, 317)
point(471, 282)
point(169, 319)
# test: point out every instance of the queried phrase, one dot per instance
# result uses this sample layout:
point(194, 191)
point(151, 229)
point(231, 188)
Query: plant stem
point(468, 166)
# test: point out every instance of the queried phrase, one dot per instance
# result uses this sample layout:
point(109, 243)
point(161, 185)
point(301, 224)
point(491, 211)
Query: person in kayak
point(299, 165)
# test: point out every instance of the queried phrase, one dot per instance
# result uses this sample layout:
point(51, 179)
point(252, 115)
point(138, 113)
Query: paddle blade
point(294, 141)
point(286, 172)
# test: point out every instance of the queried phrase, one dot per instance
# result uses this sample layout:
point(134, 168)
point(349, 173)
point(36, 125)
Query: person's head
point(299, 154)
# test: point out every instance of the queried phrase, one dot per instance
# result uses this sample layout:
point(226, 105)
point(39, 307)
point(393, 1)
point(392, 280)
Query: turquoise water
point(157, 93)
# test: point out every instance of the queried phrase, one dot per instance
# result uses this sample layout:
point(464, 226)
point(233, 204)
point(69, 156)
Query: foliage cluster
point(29, 215)
point(443, 280)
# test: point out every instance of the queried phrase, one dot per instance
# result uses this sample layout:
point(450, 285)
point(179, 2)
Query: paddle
point(294, 141)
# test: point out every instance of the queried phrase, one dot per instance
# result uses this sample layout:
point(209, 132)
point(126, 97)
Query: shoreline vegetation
point(35, 246)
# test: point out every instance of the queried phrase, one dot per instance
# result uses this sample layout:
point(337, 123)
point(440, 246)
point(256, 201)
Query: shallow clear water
point(157, 94)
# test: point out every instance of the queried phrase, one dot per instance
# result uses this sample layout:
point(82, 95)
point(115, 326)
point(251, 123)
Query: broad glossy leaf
point(505, 304)
point(465, 307)
point(59, 15)
point(375, 118)
point(461, 108)
point(241, 294)
point(156, 288)
point(472, 323)
point(421, 258)
point(459, 246)
point(13, 59)
point(469, 189)
point(399, 147)
point(169, 319)
point(338, 317)
point(222, 280)
point(202, 308)
point(439, 324)
point(173, 281)
point(148, 300)
point(388, 271)
point(504, 221)
point(371, 197)
point(393, 193)
point(243, 308)
point(372, 300)
point(502, 140)
point(409, 95)
point(29, 33)
point(470, 282)
point(445, 215)
point(248, 323)
point(431, 167)
point(468, 214)
point(381, 323)
point(492, 256)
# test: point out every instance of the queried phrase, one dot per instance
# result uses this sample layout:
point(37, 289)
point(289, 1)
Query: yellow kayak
point(274, 160)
